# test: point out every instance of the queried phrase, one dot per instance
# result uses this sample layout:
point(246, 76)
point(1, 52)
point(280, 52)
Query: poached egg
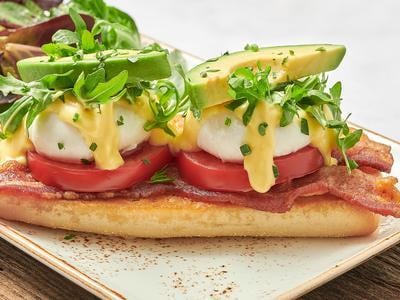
point(223, 133)
point(57, 139)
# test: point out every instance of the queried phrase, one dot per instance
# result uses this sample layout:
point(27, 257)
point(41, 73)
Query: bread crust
point(171, 216)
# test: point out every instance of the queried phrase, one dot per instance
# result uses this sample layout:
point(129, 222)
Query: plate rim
point(99, 289)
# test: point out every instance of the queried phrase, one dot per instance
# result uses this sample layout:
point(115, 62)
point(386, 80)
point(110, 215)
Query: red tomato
point(138, 167)
point(206, 171)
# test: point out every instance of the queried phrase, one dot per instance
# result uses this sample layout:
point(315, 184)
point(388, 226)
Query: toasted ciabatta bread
point(316, 216)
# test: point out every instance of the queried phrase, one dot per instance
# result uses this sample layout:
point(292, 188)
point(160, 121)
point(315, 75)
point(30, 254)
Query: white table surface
point(369, 29)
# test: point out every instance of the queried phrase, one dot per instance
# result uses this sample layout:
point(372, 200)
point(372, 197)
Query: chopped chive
point(291, 52)
point(146, 161)
point(226, 53)
point(93, 147)
point(251, 47)
point(284, 61)
point(76, 117)
point(85, 161)
point(304, 126)
point(320, 49)
point(60, 146)
point(275, 170)
point(2, 136)
point(228, 121)
point(262, 128)
point(120, 121)
point(245, 149)
point(69, 237)
point(203, 74)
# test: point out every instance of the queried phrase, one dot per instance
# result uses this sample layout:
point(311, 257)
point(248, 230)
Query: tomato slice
point(138, 167)
point(206, 171)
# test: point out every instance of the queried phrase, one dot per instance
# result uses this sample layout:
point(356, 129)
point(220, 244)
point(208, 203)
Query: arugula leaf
point(92, 90)
point(64, 36)
point(78, 21)
point(117, 29)
point(36, 96)
point(87, 41)
point(94, 78)
point(248, 86)
point(11, 119)
point(69, 43)
point(165, 106)
point(58, 50)
point(347, 142)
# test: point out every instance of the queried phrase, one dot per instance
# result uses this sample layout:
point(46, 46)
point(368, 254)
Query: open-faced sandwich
point(255, 144)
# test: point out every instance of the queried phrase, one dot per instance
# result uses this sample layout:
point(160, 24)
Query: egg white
point(48, 130)
point(224, 141)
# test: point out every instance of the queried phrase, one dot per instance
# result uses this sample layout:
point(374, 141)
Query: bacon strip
point(369, 153)
point(375, 193)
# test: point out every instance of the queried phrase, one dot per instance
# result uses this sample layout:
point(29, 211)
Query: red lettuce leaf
point(41, 33)
point(44, 4)
point(15, 52)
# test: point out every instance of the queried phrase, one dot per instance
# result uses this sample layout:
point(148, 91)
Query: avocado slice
point(209, 80)
point(140, 66)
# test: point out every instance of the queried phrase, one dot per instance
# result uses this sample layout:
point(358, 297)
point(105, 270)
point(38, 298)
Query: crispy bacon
point(375, 193)
point(369, 153)
point(364, 187)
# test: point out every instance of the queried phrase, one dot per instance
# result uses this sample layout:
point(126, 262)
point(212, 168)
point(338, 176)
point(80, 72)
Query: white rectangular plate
point(199, 268)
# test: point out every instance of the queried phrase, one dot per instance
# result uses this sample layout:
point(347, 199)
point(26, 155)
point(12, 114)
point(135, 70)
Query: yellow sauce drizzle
point(259, 163)
point(95, 127)
point(185, 130)
point(322, 138)
point(15, 146)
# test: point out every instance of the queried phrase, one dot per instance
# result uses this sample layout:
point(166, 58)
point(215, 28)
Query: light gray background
point(369, 29)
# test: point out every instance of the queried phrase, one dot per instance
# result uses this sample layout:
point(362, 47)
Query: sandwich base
point(170, 216)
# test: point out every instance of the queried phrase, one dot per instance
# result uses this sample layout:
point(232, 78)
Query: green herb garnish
point(60, 145)
point(248, 86)
point(75, 117)
point(169, 101)
point(161, 176)
point(251, 47)
point(245, 149)
point(228, 121)
point(304, 126)
point(320, 49)
point(120, 121)
point(262, 128)
point(146, 161)
point(93, 147)
point(69, 237)
point(36, 96)
point(85, 161)
point(275, 171)
point(291, 52)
